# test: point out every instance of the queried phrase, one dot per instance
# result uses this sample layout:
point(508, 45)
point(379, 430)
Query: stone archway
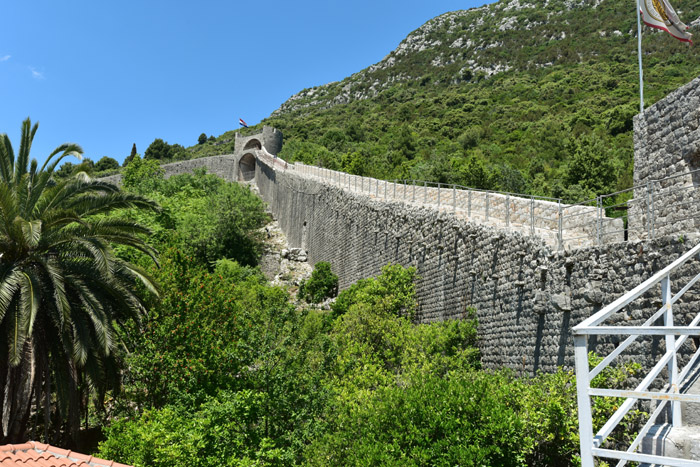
point(253, 144)
point(246, 168)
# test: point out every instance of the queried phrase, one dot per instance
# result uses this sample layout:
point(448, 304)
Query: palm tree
point(63, 291)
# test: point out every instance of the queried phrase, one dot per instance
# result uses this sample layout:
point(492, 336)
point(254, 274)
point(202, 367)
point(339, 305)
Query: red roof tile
point(33, 454)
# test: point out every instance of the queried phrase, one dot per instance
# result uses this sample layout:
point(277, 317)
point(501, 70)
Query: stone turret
point(270, 138)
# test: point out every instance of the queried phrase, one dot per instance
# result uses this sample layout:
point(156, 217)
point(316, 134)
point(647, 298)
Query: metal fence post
point(561, 237)
point(487, 205)
point(413, 182)
point(507, 211)
point(653, 212)
point(532, 215)
point(394, 189)
point(438, 200)
point(385, 188)
point(454, 198)
point(599, 221)
point(425, 192)
point(647, 224)
point(585, 416)
point(469, 204)
point(671, 347)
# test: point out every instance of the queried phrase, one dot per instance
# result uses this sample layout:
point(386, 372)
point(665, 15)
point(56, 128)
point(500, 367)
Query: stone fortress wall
point(527, 294)
point(527, 266)
point(667, 165)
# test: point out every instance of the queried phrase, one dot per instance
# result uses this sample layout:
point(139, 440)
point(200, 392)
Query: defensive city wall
point(527, 294)
point(531, 267)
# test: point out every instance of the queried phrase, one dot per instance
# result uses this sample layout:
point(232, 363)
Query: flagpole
point(639, 52)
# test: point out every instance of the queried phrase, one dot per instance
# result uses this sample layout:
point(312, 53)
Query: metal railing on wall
point(528, 214)
point(675, 337)
point(660, 207)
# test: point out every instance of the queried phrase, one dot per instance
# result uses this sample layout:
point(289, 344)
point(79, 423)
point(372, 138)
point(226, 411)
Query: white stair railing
point(675, 336)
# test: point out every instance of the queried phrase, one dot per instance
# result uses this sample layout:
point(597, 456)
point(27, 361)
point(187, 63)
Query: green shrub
point(321, 285)
point(223, 431)
point(392, 292)
point(142, 176)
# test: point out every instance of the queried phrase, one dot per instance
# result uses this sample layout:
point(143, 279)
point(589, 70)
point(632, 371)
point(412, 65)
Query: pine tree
point(131, 156)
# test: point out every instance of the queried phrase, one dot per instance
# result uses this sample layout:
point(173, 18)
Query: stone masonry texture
point(667, 165)
point(527, 296)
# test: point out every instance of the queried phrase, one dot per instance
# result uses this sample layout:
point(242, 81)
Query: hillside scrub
point(229, 373)
point(226, 371)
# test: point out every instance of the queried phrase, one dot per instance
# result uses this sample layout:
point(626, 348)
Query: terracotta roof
point(33, 454)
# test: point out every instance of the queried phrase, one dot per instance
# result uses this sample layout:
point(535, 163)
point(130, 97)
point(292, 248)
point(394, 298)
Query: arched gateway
point(246, 168)
point(246, 151)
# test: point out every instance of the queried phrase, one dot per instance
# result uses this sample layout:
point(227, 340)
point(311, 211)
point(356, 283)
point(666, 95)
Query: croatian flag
point(240, 120)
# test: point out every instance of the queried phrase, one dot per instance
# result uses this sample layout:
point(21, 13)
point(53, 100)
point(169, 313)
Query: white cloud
point(5, 58)
point(36, 74)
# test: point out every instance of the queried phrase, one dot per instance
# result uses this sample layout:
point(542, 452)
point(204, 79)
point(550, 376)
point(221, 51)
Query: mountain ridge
point(461, 26)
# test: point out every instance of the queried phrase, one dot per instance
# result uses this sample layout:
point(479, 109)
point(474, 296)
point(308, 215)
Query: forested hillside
point(533, 97)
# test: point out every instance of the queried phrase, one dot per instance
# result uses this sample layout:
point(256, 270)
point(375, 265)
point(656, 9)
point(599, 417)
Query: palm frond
point(68, 149)
point(31, 231)
point(30, 300)
point(7, 159)
point(9, 286)
point(25, 146)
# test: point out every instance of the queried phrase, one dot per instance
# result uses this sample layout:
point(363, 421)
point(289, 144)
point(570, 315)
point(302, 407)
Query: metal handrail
point(591, 445)
point(529, 214)
point(562, 226)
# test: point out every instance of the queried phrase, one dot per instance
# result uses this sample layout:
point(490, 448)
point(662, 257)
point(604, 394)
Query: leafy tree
point(392, 293)
point(106, 163)
point(142, 176)
point(334, 139)
point(64, 170)
point(472, 172)
point(202, 138)
point(212, 138)
point(62, 289)
point(591, 168)
point(158, 150)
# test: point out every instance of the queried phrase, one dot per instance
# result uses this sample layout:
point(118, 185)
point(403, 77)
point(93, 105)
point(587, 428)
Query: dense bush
point(392, 292)
point(202, 215)
point(321, 285)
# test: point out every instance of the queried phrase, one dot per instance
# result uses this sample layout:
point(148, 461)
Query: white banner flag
point(661, 15)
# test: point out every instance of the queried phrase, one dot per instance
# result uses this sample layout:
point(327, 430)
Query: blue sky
point(110, 74)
